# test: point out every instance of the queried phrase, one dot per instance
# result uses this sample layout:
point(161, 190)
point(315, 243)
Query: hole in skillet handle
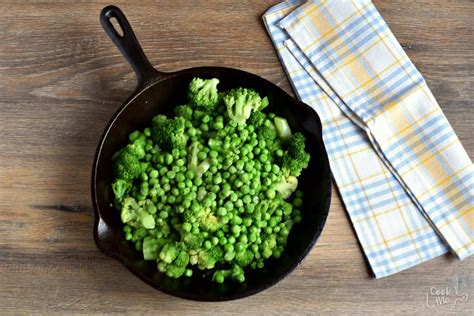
point(126, 41)
point(116, 25)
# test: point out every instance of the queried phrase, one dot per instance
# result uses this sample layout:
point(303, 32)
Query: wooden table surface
point(61, 79)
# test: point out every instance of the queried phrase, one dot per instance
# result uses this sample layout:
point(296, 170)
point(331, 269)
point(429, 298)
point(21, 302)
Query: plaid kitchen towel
point(404, 177)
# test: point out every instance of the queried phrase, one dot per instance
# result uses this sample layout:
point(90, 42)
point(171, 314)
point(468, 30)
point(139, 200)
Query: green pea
point(168, 159)
point(221, 211)
point(239, 165)
point(229, 256)
point(237, 220)
point(229, 205)
point(239, 203)
point(231, 240)
point(239, 247)
point(154, 173)
point(297, 202)
point(229, 247)
point(187, 227)
point(219, 278)
point(202, 155)
point(163, 171)
point(191, 131)
point(222, 241)
point(247, 199)
point(236, 230)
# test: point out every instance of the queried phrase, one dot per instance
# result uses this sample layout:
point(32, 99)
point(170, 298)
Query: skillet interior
point(161, 97)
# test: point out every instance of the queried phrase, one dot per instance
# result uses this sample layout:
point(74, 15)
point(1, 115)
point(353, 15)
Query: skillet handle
point(128, 45)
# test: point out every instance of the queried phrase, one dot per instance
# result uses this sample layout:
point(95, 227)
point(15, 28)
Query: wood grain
point(61, 79)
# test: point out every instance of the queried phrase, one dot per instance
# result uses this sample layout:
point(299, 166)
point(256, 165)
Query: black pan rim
point(97, 216)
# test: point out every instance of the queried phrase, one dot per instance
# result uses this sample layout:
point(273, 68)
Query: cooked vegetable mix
point(214, 187)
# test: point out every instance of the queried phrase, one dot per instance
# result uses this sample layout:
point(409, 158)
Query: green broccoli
point(257, 119)
point(268, 245)
point(287, 186)
point(203, 94)
point(182, 259)
point(169, 252)
point(185, 111)
point(268, 134)
point(202, 216)
point(174, 271)
point(235, 273)
point(169, 133)
point(135, 215)
point(193, 161)
point(207, 259)
point(120, 187)
point(244, 258)
point(173, 260)
point(126, 162)
point(191, 241)
point(274, 204)
point(209, 221)
point(296, 158)
point(241, 102)
point(152, 247)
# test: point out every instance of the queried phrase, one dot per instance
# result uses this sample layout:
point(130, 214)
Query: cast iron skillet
point(159, 92)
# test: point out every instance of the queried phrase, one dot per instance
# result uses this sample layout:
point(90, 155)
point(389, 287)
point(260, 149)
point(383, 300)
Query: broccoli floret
point(185, 111)
point(120, 188)
point(169, 133)
point(152, 247)
point(207, 259)
point(256, 119)
point(274, 204)
point(203, 94)
point(174, 271)
point(203, 216)
point(268, 246)
point(241, 102)
point(286, 186)
point(192, 241)
point(135, 215)
point(173, 260)
point(296, 158)
point(235, 273)
point(126, 162)
point(182, 259)
point(199, 168)
point(209, 221)
point(267, 133)
point(169, 252)
point(244, 258)
point(283, 129)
